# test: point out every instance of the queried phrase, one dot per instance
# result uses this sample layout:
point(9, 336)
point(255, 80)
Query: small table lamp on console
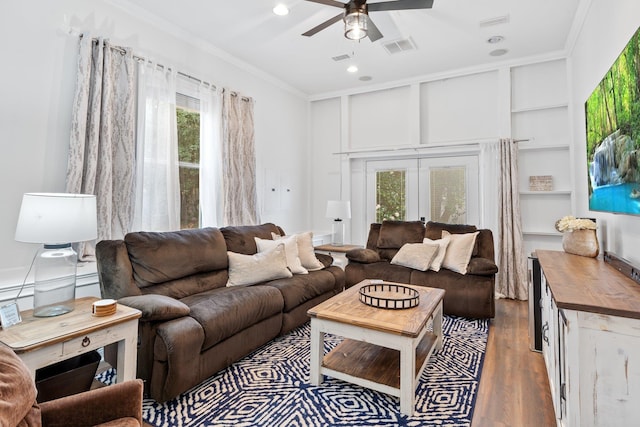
point(56, 220)
point(338, 210)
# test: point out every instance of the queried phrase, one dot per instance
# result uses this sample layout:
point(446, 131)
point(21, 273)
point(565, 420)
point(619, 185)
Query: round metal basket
point(389, 295)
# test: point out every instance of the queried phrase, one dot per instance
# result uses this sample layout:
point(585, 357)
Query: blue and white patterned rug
point(270, 388)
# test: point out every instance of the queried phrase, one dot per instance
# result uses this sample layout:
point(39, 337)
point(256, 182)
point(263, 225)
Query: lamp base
point(337, 233)
point(54, 289)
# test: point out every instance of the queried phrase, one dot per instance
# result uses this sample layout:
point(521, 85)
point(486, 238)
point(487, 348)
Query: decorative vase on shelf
point(581, 242)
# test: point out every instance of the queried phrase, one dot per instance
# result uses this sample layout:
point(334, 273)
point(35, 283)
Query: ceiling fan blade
point(328, 3)
point(400, 5)
point(373, 32)
point(324, 25)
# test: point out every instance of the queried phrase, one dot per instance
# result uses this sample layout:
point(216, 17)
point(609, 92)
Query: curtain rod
point(142, 58)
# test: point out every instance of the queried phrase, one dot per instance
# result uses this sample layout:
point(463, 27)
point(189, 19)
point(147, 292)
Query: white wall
point(37, 80)
point(607, 29)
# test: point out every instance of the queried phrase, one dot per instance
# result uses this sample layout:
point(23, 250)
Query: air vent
point(341, 57)
point(494, 21)
point(398, 46)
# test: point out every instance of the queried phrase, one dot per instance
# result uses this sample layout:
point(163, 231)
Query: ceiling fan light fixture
point(355, 25)
point(281, 9)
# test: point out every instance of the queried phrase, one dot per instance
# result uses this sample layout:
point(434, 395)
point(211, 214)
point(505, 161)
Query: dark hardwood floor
point(514, 390)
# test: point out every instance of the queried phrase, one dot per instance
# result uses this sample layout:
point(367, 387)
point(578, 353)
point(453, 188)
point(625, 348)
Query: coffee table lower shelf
point(373, 366)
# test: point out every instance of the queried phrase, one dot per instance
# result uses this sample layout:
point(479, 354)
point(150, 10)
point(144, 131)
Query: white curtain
point(157, 204)
point(102, 142)
point(211, 202)
point(489, 178)
point(239, 160)
point(511, 278)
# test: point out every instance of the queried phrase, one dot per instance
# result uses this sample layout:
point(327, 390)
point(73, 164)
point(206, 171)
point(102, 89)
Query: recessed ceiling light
point(495, 39)
point(281, 10)
point(498, 52)
point(352, 69)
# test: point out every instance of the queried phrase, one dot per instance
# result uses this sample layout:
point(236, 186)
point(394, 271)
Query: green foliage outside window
point(391, 195)
point(188, 123)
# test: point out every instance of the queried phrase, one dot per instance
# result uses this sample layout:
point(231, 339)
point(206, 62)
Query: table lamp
point(338, 210)
point(56, 220)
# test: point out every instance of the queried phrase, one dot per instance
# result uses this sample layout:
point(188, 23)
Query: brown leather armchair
point(113, 406)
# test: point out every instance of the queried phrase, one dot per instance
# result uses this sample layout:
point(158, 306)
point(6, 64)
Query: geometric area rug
point(270, 387)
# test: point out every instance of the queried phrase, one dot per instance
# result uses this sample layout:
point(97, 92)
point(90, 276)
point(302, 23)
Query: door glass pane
point(391, 195)
point(448, 194)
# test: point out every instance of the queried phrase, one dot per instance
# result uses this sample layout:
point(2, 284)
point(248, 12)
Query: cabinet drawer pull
point(545, 329)
point(86, 341)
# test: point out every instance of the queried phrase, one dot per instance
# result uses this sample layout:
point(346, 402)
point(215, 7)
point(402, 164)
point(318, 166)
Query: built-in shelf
point(542, 233)
point(540, 108)
point(546, 193)
point(529, 146)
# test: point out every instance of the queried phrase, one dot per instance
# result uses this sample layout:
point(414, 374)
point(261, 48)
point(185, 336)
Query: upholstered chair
point(114, 406)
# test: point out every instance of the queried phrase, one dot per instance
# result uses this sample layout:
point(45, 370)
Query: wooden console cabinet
point(591, 340)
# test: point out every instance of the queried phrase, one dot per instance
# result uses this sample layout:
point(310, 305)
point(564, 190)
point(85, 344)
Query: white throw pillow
point(306, 252)
point(290, 249)
point(436, 262)
point(459, 251)
point(416, 255)
point(258, 268)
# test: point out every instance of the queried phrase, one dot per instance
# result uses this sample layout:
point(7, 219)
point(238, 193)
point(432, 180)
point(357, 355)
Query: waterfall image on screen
point(612, 115)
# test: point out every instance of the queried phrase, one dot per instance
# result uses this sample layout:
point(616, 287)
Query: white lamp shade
point(57, 218)
point(338, 209)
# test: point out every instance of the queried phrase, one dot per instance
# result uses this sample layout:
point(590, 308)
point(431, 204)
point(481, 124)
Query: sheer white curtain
point(102, 144)
point(157, 205)
point(489, 178)
point(211, 203)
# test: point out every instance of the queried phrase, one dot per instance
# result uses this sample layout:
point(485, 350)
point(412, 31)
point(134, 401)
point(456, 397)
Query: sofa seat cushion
point(385, 271)
point(299, 289)
point(225, 311)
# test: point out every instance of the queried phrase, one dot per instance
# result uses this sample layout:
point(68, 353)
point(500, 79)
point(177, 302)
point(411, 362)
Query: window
point(391, 195)
point(188, 125)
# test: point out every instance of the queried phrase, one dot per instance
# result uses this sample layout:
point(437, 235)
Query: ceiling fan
point(357, 23)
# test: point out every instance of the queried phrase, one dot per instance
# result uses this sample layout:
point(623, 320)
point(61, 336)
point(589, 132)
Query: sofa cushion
point(299, 289)
point(290, 249)
point(459, 251)
point(259, 267)
point(436, 262)
point(158, 257)
point(394, 234)
point(240, 239)
point(416, 255)
point(223, 312)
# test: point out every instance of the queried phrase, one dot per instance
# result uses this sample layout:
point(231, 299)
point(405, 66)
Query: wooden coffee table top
point(347, 308)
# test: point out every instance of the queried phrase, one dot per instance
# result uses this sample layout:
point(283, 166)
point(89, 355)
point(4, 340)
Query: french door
point(443, 189)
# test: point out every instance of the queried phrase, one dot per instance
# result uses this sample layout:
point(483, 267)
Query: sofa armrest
point(326, 260)
point(122, 400)
point(482, 267)
point(363, 256)
point(156, 307)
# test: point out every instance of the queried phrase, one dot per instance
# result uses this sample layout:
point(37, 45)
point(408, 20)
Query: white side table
point(43, 341)
point(337, 252)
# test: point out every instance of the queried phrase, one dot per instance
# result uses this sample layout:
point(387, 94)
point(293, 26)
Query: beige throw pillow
point(436, 262)
point(415, 255)
point(263, 266)
point(459, 251)
point(290, 249)
point(306, 252)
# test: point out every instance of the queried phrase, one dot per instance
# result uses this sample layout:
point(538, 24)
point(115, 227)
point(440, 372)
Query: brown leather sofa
point(467, 295)
point(119, 405)
point(192, 324)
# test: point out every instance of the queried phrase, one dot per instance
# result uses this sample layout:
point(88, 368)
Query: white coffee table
point(379, 343)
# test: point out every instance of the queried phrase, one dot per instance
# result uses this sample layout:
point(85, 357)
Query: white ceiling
point(448, 37)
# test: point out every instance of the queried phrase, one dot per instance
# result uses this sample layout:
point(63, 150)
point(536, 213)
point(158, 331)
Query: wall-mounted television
point(612, 114)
